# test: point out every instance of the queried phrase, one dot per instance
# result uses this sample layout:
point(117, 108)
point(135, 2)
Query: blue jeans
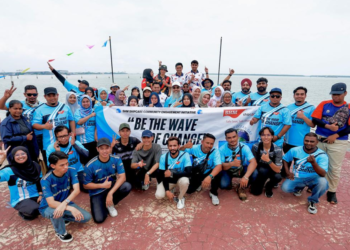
point(319, 186)
point(58, 224)
point(226, 178)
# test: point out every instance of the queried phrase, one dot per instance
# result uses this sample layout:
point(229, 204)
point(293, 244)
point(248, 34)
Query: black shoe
point(24, 217)
point(66, 222)
point(332, 198)
point(65, 238)
point(268, 193)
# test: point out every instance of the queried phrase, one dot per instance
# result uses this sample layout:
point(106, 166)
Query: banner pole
point(219, 61)
point(110, 49)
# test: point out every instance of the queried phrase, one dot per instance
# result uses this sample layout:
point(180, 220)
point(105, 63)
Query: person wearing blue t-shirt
point(275, 116)
point(76, 152)
point(243, 97)
point(175, 95)
point(237, 162)
point(206, 167)
point(309, 169)
point(57, 204)
point(104, 177)
point(174, 170)
point(261, 97)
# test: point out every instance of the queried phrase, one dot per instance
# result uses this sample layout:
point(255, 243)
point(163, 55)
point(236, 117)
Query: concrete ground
point(281, 222)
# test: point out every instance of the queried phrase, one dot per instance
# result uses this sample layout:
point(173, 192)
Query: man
point(57, 203)
point(76, 152)
point(174, 170)
point(274, 115)
point(234, 158)
point(194, 77)
point(50, 115)
point(106, 189)
point(179, 75)
point(243, 96)
point(175, 95)
point(261, 97)
point(206, 166)
point(145, 161)
point(162, 96)
point(114, 88)
point(226, 84)
point(309, 169)
point(332, 120)
point(162, 79)
point(124, 148)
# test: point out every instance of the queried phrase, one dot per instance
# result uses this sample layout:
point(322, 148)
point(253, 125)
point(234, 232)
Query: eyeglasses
point(176, 87)
point(20, 154)
point(62, 136)
point(32, 95)
point(275, 96)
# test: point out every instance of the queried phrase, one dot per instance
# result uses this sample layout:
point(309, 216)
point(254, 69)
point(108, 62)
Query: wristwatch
point(269, 162)
point(279, 137)
point(148, 173)
point(211, 176)
point(67, 201)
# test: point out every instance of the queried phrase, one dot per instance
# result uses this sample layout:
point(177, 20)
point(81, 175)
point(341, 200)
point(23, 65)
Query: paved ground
point(146, 223)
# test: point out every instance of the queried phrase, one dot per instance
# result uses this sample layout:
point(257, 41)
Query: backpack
point(199, 169)
point(236, 172)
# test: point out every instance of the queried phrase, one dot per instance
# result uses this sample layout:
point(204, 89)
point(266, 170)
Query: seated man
point(105, 188)
point(145, 161)
point(57, 203)
point(174, 170)
point(234, 158)
point(206, 167)
point(309, 169)
point(74, 149)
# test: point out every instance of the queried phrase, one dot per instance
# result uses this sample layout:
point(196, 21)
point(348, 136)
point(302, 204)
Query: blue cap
point(147, 133)
point(276, 90)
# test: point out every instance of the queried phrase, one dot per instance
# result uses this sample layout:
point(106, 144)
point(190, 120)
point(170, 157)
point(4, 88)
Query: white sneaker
point(181, 203)
point(145, 187)
point(214, 199)
point(199, 189)
point(112, 211)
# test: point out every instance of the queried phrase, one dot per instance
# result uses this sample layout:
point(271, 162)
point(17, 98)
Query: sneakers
point(65, 237)
point(332, 198)
point(214, 199)
point(145, 187)
point(312, 208)
point(298, 193)
point(268, 193)
point(199, 189)
point(66, 222)
point(181, 203)
point(112, 211)
point(241, 194)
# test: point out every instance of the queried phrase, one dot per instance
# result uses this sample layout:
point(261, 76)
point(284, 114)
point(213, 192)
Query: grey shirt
point(150, 157)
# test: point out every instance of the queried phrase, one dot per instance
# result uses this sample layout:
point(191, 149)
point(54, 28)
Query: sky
point(259, 37)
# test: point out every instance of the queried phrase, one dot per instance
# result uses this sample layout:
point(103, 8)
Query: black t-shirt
point(125, 152)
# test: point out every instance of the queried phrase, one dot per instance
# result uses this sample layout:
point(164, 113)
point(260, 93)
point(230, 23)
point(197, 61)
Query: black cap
point(338, 88)
point(85, 82)
point(163, 67)
point(195, 61)
point(262, 79)
point(103, 141)
point(50, 90)
point(278, 90)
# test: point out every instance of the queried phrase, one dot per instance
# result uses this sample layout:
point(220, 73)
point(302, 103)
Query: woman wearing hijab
point(23, 179)
point(72, 101)
point(204, 99)
point(146, 100)
point(119, 99)
point(226, 100)
point(91, 92)
point(103, 98)
point(154, 100)
point(147, 78)
point(186, 102)
point(135, 91)
point(215, 100)
point(196, 92)
point(133, 101)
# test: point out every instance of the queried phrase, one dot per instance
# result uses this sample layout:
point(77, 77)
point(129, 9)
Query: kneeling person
point(105, 189)
point(174, 169)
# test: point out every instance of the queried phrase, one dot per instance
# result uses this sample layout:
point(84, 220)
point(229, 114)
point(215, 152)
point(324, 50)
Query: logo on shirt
point(327, 111)
point(234, 113)
point(60, 112)
point(54, 185)
point(266, 100)
point(70, 152)
point(98, 170)
point(113, 166)
point(276, 113)
point(178, 162)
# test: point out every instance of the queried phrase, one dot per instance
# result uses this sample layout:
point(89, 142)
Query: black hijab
point(147, 75)
point(191, 101)
point(133, 97)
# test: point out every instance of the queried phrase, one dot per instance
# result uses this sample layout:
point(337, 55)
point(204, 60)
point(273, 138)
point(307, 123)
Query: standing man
point(164, 80)
point(179, 76)
point(244, 95)
point(332, 120)
point(261, 97)
point(194, 77)
point(162, 96)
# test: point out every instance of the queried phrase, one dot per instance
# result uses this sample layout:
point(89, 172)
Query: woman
point(147, 78)
point(269, 159)
point(23, 179)
point(215, 100)
point(103, 98)
point(16, 130)
point(154, 100)
point(133, 101)
point(145, 101)
point(204, 99)
point(119, 99)
point(91, 92)
point(85, 118)
point(196, 92)
point(135, 91)
point(186, 102)
point(72, 101)
point(226, 100)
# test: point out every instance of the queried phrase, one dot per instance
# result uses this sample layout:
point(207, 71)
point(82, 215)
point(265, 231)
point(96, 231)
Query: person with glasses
point(275, 116)
point(261, 97)
point(175, 95)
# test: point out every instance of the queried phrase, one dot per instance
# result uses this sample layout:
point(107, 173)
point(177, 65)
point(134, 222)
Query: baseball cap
point(276, 90)
point(84, 81)
point(195, 61)
point(147, 133)
point(163, 67)
point(176, 84)
point(147, 88)
point(103, 141)
point(115, 85)
point(338, 88)
point(124, 125)
point(50, 90)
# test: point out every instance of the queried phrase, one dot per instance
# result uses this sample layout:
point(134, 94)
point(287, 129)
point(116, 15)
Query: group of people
point(75, 159)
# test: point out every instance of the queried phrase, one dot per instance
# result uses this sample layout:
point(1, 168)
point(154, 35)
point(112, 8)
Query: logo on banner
point(199, 112)
point(118, 110)
point(234, 113)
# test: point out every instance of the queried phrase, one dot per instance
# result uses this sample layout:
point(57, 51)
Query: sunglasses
point(176, 87)
point(275, 96)
point(32, 94)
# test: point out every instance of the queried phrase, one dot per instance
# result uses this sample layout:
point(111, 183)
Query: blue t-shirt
point(19, 189)
point(72, 88)
point(245, 157)
point(89, 126)
point(73, 156)
point(97, 104)
point(97, 171)
point(177, 164)
point(198, 157)
point(295, 135)
point(275, 118)
point(258, 99)
point(302, 168)
point(59, 115)
point(57, 187)
point(238, 96)
point(170, 101)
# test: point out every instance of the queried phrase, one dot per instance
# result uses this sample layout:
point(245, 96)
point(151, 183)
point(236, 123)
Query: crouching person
point(174, 170)
point(57, 203)
point(309, 169)
point(105, 188)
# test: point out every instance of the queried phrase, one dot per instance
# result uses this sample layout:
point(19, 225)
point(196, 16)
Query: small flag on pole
point(51, 60)
point(90, 46)
point(105, 44)
point(24, 71)
point(70, 54)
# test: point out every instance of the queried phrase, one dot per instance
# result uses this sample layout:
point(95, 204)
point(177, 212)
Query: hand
point(178, 103)
point(218, 104)
point(160, 63)
point(93, 99)
point(109, 200)
point(114, 141)
point(141, 164)
point(72, 139)
point(243, 183)
point(92, 114)
point(265, 157)
point(103, 103)
point(59, 210)
point(253, 121)
point(248, 100)
point(189, 144)
point(290, 176)
point(170, 195)
point(139, 146)
point(240, 103)
point(231, 71)
point(106, 184)
point(331, 139)
point(30, 136)
point(39, 199)
point(274, 138)
point(300, 114)
point(206, 182)
point(333, 127)
point(192, 77)
point(56, 146)
point(8, 92)
point(151, 105)
point(311, 159)
point(146, 181)
point(48, 126)
point(78, 216)
point(3, 153)
point(111, 105)
point(50, 67)
point(236, 162)
point(167, 173)
point(206, 70)
point(126, 88)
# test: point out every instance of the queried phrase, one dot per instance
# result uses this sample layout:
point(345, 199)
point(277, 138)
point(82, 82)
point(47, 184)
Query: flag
point(24, 71)
point(105, 44)
point(70, 54)
point(90, 46)
point(51, 60)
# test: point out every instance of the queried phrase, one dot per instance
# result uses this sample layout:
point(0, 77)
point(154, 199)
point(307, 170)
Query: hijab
point(74, 106)
point(191, 101)
point(117, 101)
point(147, 75)
point(100, 90)
point(195, 100)
point(133, 97)
point(224, 104)
point(217, 99)
point(158, 104)
point(138, 96)
point(200, 103)
point(85, 111)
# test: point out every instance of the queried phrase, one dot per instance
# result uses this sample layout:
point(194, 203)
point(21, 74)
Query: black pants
point(28, 208)
point(81, 181)
point(196, 181)
point(265, 173)
point(286, 148)
point(98, 202)
point(140, 176)
point(91, 147)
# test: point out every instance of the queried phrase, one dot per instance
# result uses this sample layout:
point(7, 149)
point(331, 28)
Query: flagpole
point(110, 48)
point(219, 61)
